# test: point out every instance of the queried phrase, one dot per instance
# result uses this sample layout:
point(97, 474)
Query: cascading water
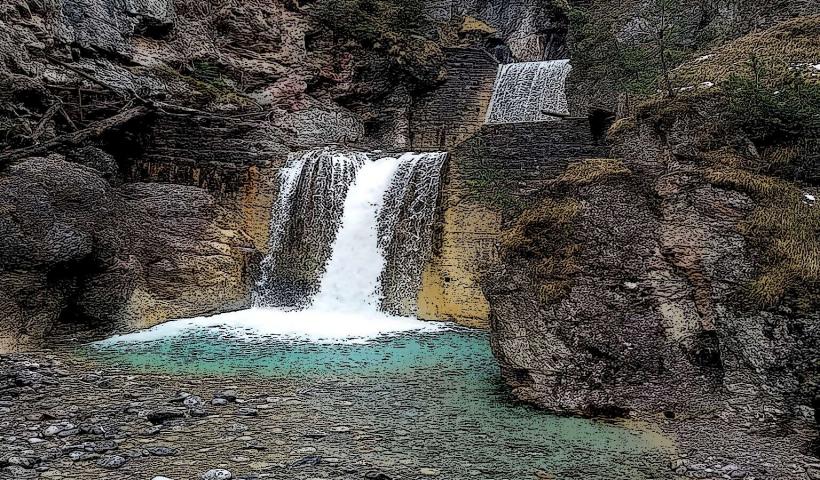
point(530, 92)
point(356, 228)
point(360, 237)
point(406, 228)
point(351, 280)
point(312, 192)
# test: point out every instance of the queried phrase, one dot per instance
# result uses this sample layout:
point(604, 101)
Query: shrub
point(774, 110)
point(395, 28)
point(369, 20)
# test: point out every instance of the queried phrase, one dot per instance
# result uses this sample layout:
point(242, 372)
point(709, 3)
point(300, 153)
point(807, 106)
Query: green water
point(442, 388)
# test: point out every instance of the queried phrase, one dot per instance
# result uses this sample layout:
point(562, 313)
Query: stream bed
point(409, 405)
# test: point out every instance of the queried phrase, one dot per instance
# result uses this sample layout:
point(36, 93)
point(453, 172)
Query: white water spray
point(351, 281)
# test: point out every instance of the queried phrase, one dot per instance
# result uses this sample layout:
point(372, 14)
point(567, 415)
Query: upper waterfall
point(529, 92)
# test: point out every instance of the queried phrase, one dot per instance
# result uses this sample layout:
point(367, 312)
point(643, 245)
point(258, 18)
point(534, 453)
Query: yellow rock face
point(450, 289)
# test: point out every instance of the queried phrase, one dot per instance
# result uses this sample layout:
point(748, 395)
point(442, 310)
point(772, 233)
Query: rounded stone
point(111, 462)
point(217, 474)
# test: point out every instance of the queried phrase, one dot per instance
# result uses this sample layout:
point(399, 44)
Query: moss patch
point(205, 84)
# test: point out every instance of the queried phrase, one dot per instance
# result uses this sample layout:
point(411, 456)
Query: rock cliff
point(678, 275)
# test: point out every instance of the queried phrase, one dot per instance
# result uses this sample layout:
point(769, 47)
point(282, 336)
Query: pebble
point(81, 456)
point(429, 472)
point(161, 451)
point(104, 446)
point(111, 462)
point(160, 478)
point(376, 475)
point(25, 462)
point(217, 474)
point(219, 402)
point(248, 412)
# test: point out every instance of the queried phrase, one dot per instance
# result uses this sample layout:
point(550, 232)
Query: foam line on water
point(305, 325)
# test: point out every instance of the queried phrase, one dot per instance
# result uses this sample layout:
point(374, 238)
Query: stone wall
point(456, 109)
point(490, 178)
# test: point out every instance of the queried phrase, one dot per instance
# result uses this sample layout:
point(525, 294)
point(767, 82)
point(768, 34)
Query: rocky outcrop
point(625, 291)
point(678, 271)
point(78, 250)
point(490, 177)
point(524, 30)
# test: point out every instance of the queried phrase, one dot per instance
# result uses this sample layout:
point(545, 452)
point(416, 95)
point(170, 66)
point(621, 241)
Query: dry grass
point(791, 43)
point(789, 229)
point(474, 25)
point(542, 236)
point(553, 291)
point(781, 155)
point(727, 157)
point(760, 186)
point(622, 126)
point(549, 215)
point(593, 170)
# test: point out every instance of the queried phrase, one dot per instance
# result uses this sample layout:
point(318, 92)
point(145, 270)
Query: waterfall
point(528, 92)
point(312, 192)
point(351, 231)
point(406, 228)
point(351, 280)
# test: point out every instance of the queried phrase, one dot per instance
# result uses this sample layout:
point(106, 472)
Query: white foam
point(306, 325)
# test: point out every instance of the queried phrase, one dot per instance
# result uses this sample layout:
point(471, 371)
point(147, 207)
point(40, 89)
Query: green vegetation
point(631, 47)
point(774, 109)
point(205, 80)
point(369, 21)
point(490, 187)
point(392, 27)
point(764, 92)
point(790, 47)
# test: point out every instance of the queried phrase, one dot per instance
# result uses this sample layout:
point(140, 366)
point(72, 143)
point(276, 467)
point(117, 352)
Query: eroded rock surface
point(79, 250)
